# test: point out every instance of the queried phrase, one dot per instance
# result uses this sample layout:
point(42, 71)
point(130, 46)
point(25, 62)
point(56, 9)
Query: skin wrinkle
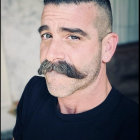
point(44, 15)
point(57, 16)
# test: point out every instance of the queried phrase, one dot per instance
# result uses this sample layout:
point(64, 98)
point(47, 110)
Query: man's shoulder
point(127, 114)
point(130, 107)
point(127, 106)
point(36, 82)
point(35, 93)
point(35, 89)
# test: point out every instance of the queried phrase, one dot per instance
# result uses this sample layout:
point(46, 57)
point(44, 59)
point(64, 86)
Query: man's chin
point(59, 85)
point(58, 92)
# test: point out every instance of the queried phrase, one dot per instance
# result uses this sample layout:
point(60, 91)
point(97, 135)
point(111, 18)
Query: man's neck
point(85, 99)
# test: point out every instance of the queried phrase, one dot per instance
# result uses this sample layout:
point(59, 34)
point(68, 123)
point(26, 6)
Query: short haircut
point(104, 19)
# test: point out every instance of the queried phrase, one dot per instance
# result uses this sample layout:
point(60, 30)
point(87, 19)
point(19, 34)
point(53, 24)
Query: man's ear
point(109, 44)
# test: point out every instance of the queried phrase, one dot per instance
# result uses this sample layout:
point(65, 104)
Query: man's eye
point(73, 37)
point(46, 36)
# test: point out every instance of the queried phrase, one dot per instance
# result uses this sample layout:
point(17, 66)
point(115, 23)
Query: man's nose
point(55, 51)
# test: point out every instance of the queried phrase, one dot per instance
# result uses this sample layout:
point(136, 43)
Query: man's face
point(68, 34)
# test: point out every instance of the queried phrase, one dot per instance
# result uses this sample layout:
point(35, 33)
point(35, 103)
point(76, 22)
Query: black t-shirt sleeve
point(21, 112)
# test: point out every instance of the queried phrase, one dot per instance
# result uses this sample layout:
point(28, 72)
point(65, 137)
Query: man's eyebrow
point(74, 30)
point(64, 29)
point(42, 28)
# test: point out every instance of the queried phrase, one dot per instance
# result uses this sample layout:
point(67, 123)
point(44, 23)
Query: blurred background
point(20, 44)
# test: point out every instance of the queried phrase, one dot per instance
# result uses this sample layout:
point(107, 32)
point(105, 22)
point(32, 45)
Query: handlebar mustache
point(61, 67)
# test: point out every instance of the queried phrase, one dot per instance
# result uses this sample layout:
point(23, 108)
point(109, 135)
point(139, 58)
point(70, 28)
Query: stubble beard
point(72, 85)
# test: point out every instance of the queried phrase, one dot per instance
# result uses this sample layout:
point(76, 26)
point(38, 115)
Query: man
point(75, 100)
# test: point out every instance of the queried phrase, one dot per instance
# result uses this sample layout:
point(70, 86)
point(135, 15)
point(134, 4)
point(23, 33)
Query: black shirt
point(38, 118)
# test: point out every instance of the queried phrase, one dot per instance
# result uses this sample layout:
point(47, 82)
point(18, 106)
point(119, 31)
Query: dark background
point(123, 70)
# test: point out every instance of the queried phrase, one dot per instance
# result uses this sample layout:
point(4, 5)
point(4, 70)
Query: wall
point(6, 96)
point(126, 20)
point(21, 41)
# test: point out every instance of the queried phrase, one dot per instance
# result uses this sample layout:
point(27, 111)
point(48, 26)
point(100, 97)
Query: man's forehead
point(83, 12)
point(83, 7)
